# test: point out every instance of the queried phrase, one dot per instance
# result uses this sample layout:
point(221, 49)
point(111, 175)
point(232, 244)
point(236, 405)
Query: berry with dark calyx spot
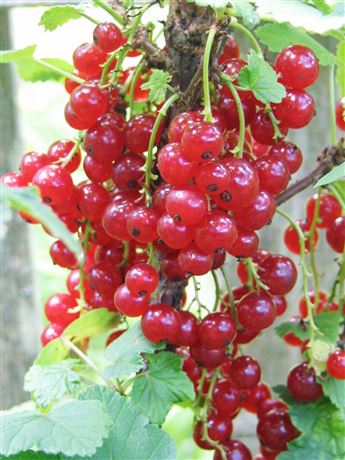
point(160, 322)
point(258, 214)
point(217, 230)
point(54, 182)
point(92, 200)
point(234, 450)
point(129, 304)
point(216, 330)
point(201, 142)
point(245, 372)
point(50, 332)
point(336, 364)
point(59, 309)
point(226, 398)
point(212, 177)
point(142, 224)
point(336, 235)
point(75, 121)
point(296, 110)
point(108, 36)
point(114, 219)
point(174, 234)
point(246, 244)
point(206, 357)
point(180, 123)
point(288, 152)
point(127, 172)
point(192, 260)
point(138, 132)
point(298, 67)
point(256, 310)
point(186, 205)
point(302, 383)
point(104, 143)
point(275, 430)
point(141, 279)
point(279, 273)
point(329, 209)
point(105, 278)
point(62, 255)
point(89, 102)
point(188, 332)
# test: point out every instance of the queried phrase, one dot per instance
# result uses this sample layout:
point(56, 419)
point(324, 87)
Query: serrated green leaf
point(279, 36)
point(329, 326)
point(132, 437)
point(50, 383)
point(26, 199)
point(77, 427)
point(125, 353)
point(93, 323)
point(335, 390)
point(246, 10)
point(323, 6)
point(284, 394)
point(296, 329)
point(340, 69)
point(161, 386)
point(157, 85)
point(54, 352)
point(30, 455)
point(22, 55)
point(259, 77)
point(58, 15)
point(35, 71)
point(337, 173)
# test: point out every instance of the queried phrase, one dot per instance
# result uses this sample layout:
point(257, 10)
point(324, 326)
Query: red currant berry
point(219, 427)
point(217, 230)
point(229, 107)
point(142, 224)
point(129, 304)
point(192, 370)
point(245, 372)
point(138, 132)
point(174, 234)
point(226, 399)
point(291, 238)
point(95, 171)
point(89, 102)
point(216, 329)
point(246, 244)
point(92, 200)
point(275, 430)
point(54, 182)
point(234, 450)
point(160, 322)
point(31, 162)
point(194, 261)
point(50, 332)
point(279, 273)
point(296, 110)
point(104, 143)
point(188, 332)
point(201, 142)
point(159, 198)
point(336, 364)
point(186, 205)
point(231, 50)
point(173, 165)
point(288, 152)
point(302, 383)
point(262, 129)
point(329, 209)
point(291, 338)
point(88, 58)
point(59, 150)
point(254, 397)
point(62, 256)
point(258, 214)
point(269, 405)
point(212, 177)
point(141, 279)
point(105, 278)
point(180, 122)
point(206, 357)
point(336, 235)
point(107, 36)
point(339, 114)
point(59, 309)
point(256, 310)
point(199, 439)
point(114, 219)
point(273, 173)
point(127, 172)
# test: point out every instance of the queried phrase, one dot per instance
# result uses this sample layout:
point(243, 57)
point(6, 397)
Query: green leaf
point(50, 383)
point(132, 437)
point(161, 386)
point(93, 323)
point(246, 10)
point(279, 36)
point(335, 390)
point(26, 199)
point(337, 173)
point(77, 427)
point(57, 16)
point(34, 71)
point(323, 6)
point(340, 70)
point(296, 329)
point(329, 325)
point(157, 86)
point(259, 77)
point(30, 455)
point(125, 353)
point(22, 55)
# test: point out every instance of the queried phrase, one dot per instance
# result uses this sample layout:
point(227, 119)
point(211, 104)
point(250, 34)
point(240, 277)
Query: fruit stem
point(230, 295)
point(242, 126)
point(253, 275)
point(74, 150)
point(95, 21)
point(255, 43)
point(196, 295)
point(109, 10)
point(56, 69)
point(82, 275)
point(207, 112)
point(305, 272)
point(333, 129)
point(106, 67)
point(312, 248)
point(87, 360)
point(274, 121)
point(152, 260)
point(218, 290)
point(150, 156)
point(139, 68)
point(341, 301)
point(125, 256)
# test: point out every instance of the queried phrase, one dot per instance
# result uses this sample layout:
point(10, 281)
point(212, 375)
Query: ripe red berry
point(114, 219)
point(229, 107)
point(30, 163)
point(141, 279)
point(254, 397)
point(296, 110)
point(54, 182)
point(186, 205)
point(329, 209)
point(89, 102)
point(279, 273)
point(173, 165)
point(246, 244)
point(194, 261)
point(201, 142)
point(105, 278)
point(269, 405)
point(336, 364)
point(142, 224)
point(159, 198)
point(219, 427)
point(298, 67)
point(245, 372)
point(262, 129)
point(50, 332)
point(88, 58)
point(59, 150)
point(234, 450)
point(336, 235)
point(256, 310)
point(217, 230)
point(174, 234)
point(180, 123)
point(104, 143)
point(226, 398)
point(95, 171)
point(302, 383)
point(216, 329)
point(130, 304)
point(188, 331)
point(231, 50)
point(206, 357)
point(212, 177)
point(59, 309)
point(273, 173)
point(138, 132)
point(160, 322)
point(92, 200)
point(107, 36)
point(291, 238)
point(339, 115)
point(288, 152)
point(127, 172)
point(258, 214)
point(275, 430)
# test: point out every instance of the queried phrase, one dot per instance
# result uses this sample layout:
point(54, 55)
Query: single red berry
point(329, 209)
point(95, 171)
point(105, 278)
point(245, 372)
point(188, 332)
point(186, 205)
point(216, 329)
point(296, 110)
point(201, 142)
point(206, 357)
point(246, 244)
point(226, 398)
point(54, 182)
point(302, 383)
point(59, 309)
point(273, 173)
point(180, 123)
point(339, 114)
point(174, 166)
point(50, 332)
point(174, 234)
point(298, 67)
point(275, 430)
point(258, 214)
point(194, 261)
point(92, 200)
point(199, 438)
point(288, 152)
point(229, 107)
point(70, 84)
point(129, 304)
point(279, 273)
point(114, 336)
point(291, 338)
point(104, 143)
point(159, 198)
point(30, 163)
point(59, 150)
point(97, 300)
point(75, 121)
point(219, 427)
point(336, 235)
point(254, 397)
point(73, 284)
point(114, 219)
point(88, 58)
point(336, 364)
point(127, 172)
point(271, 404)
point(262, 129)
point(107, 36)
point(192, 370)
point(160, 322)
point(217, 230)
point(234, 450)
point(62, 255)
point(142, 224)
point(141, 279)
point(291, 238)
point(231, 50)
point(138, 132)
point(256, 310)
point(212, 177)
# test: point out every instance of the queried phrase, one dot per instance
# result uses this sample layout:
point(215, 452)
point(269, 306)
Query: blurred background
point(31, 119)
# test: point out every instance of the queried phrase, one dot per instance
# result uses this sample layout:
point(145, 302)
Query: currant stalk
point(311, 234)
point(217, 288)
point(333, 125)
point(87, 233)
point(241, 28)
point(115, 15)
point(207, 112)
point(138, 69)
point(230, 295)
